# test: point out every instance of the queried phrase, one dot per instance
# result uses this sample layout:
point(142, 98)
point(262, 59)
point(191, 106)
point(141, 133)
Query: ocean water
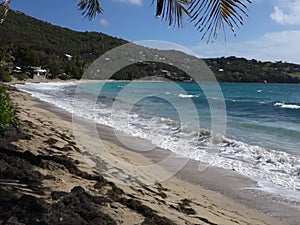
point(261, 136)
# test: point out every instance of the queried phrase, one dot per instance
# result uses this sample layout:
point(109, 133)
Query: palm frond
point(90, 8)
point(172, 10)
point(212, 15)
point(4, 8)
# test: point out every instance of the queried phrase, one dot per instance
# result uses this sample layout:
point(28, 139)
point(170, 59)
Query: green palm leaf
point(209, 16)
point(4, 8)
point(172, 10)
point(212, 15)
point(90, 8)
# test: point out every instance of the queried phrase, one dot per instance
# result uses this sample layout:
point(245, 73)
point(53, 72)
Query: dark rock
point(76, 208)
point(16, 166)
point(56, 195)
point(51, 141)
point(67, 148)
point(157, 220)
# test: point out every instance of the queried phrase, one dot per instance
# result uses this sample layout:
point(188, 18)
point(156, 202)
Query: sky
point(270, 33)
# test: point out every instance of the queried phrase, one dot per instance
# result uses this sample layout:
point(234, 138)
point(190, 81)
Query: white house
point(69, 57)
point(38, 72)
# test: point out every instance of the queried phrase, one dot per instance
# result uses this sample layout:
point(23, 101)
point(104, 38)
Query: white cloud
point(104, 22)
point(133, 2)
point(287, 12)
point(270, 46)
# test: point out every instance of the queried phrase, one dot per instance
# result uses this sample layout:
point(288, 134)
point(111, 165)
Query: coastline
point(41, 80)
point(165, 198)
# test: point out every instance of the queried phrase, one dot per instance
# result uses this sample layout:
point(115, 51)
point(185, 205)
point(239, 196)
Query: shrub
point(7, 112)
point(21, 76)
point(4, 76)
point(64, 77)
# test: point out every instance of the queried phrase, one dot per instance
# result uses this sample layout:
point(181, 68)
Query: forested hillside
point(233, 69)
point(26, 41)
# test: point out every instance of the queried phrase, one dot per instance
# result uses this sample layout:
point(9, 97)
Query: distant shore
point(45, 141)
point(42, 80)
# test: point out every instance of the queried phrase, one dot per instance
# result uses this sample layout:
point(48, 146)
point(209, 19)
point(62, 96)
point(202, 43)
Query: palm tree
point(208, 16)
point(4, 7)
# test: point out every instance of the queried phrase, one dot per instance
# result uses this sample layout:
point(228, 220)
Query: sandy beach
point(69, 187)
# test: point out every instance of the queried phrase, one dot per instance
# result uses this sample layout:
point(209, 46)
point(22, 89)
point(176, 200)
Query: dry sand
point(182, 202)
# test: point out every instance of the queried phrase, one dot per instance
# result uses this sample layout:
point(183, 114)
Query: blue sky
point(272, 31)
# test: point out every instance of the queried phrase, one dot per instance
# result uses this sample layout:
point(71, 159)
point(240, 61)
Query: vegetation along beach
point(96, 129)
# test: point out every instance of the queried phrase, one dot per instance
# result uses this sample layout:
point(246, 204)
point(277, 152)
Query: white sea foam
point(279, 168)
point(43, 86)
point(49, 92)
point(187, 96)
point(287, 106)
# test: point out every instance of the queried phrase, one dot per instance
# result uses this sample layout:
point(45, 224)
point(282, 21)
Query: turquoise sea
point(259, 124)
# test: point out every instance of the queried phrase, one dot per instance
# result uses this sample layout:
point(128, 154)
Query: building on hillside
point(68, 57)
point(17, 70)
point(38, 72)
point(166, 73)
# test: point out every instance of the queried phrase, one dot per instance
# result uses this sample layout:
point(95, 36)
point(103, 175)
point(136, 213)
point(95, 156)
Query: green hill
point(26, 41)
point(233, 69)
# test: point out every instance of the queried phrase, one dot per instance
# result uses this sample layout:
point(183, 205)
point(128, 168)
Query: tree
point(208, 16)
point(25, 56)
point(4, 9)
